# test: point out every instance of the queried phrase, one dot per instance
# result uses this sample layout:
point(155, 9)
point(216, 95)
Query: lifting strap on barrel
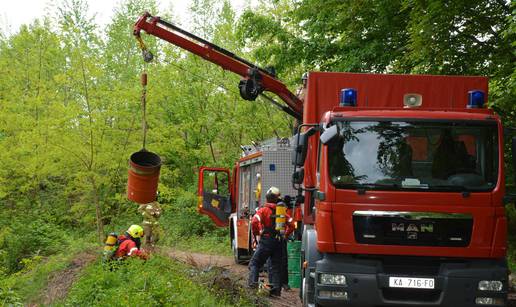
point(147, 58)
point(144, 107)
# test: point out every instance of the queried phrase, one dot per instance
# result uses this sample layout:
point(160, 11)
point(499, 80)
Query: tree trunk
point(98, 211)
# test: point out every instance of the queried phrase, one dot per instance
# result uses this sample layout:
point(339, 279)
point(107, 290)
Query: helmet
point(304, 77)
point(273, 195)
point(135, 231)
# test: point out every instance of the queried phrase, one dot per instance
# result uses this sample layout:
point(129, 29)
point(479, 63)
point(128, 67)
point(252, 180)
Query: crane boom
point(255, 79)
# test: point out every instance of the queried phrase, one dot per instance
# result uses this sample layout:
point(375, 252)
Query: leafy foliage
point(70, 116)
point(158, 281)
point(25, 286)
point(23, 241)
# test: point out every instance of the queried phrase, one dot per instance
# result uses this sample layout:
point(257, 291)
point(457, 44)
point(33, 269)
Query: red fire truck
point(264, 165)
point(401, 179)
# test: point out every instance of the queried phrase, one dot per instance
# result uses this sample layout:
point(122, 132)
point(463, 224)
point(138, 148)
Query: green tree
point(384, 36)
point(457, 37)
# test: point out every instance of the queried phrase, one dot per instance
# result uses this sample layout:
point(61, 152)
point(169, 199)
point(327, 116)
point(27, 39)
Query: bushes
point(185, 219)
point(157, 282)
point(25, 239)
point(25, 286)
point(185, 228)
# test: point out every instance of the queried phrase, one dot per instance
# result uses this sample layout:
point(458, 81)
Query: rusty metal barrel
point(143, 177)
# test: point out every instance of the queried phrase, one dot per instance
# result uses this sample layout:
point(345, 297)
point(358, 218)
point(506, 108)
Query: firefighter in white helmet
point(270, 225)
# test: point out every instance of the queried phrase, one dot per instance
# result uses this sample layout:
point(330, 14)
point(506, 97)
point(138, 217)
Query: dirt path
point(287, 299)
point(61, 281)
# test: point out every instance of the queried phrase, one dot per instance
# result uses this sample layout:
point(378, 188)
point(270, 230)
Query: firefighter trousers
point(284, 265)
point(267, 247)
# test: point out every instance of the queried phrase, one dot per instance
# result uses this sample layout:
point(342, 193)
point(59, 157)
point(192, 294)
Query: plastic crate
point(294, 265)
point(294, 280)
point(293, 248)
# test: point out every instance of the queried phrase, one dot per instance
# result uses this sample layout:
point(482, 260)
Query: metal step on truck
point(401, 181)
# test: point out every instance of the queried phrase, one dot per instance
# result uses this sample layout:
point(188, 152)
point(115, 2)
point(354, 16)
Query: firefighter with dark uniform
point(269, 228)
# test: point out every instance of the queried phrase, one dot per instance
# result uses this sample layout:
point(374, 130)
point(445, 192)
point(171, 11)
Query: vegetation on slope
point(157, 282)
point(70, 115)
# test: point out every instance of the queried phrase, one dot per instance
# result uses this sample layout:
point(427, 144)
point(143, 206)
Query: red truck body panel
point(381, 97)
point(383, 91)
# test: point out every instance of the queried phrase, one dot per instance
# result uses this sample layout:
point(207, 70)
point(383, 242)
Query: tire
point(304, 299)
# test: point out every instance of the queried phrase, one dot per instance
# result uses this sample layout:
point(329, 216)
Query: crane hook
point(147, 55)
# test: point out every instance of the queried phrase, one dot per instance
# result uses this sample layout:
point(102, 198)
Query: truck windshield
point(395, 155)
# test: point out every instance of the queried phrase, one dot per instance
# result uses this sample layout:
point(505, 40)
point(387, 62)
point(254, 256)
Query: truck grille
point(414, 295)
point(412, 228)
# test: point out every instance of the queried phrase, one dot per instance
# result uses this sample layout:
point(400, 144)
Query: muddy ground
point(60, 282)
point(287, 299)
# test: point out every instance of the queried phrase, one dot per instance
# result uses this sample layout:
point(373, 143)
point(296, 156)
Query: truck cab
point(407, 187)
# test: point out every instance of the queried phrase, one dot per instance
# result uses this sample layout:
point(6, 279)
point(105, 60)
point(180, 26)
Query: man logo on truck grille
point(412, 235)
point(401, 227)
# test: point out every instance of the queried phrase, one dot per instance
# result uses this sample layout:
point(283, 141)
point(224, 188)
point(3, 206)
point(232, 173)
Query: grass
point(207, 244)
point(26, 285)
point(159, 281)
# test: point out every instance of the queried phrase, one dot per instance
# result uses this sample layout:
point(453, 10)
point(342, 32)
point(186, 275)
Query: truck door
point(214, 196)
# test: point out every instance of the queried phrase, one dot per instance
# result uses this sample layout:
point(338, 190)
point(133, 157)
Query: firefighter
point(258, 190)
point(151, 213)
point(129, 244)
point(301, 91)
point(269, 240)
point(287, 201)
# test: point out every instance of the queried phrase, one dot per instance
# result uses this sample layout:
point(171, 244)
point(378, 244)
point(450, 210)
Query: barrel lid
point(145, 159)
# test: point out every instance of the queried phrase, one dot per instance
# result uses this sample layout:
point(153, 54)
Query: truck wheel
point(237, 253)
point(305, 299)
point(303, 293)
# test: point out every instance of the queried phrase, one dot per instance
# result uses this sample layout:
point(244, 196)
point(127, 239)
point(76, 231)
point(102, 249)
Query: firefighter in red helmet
point(269, 238)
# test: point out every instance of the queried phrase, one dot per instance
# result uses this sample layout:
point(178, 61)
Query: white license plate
point(410, 282)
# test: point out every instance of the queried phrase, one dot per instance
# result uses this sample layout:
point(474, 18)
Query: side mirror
point(329, 134)
point(301, 146)
point(298, 176)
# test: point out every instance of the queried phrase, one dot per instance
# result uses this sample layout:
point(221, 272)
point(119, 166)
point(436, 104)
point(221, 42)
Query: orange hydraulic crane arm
point(255, 79)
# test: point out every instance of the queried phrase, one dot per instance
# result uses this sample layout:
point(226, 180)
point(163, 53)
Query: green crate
point(294, 265)
point(294, 280)
point(293, 248)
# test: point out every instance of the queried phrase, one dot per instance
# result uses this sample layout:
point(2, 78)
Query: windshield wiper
point(458, 188)
point(370, 185)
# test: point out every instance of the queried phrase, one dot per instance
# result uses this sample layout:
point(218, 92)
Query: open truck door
point(214, 194)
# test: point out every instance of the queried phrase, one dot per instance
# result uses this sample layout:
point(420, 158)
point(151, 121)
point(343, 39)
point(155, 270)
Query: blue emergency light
point(476, 99)
point(348, 97)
